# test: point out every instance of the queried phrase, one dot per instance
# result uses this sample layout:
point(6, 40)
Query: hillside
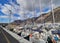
point(48, 18)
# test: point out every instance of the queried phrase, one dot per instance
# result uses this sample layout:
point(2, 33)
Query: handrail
point(18, 38)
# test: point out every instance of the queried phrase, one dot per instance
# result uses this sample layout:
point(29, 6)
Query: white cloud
point(12, 17)
point(27, 7)
point(22, 3)
point(6, 8)
point(32, 4)
point(5, 11)
point(3, 16)
point(9, 9)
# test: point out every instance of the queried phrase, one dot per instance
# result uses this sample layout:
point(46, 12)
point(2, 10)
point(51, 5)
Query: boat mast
point(11, 14)
point(41, 13)
point(52, 12)
point(34, 15)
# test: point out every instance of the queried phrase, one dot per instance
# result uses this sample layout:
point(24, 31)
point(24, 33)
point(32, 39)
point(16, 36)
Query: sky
point(11, 10)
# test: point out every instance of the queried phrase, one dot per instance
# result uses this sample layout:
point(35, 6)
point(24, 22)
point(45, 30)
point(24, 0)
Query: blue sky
point(2, 19)
point(4, 2)
point(20, 7)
